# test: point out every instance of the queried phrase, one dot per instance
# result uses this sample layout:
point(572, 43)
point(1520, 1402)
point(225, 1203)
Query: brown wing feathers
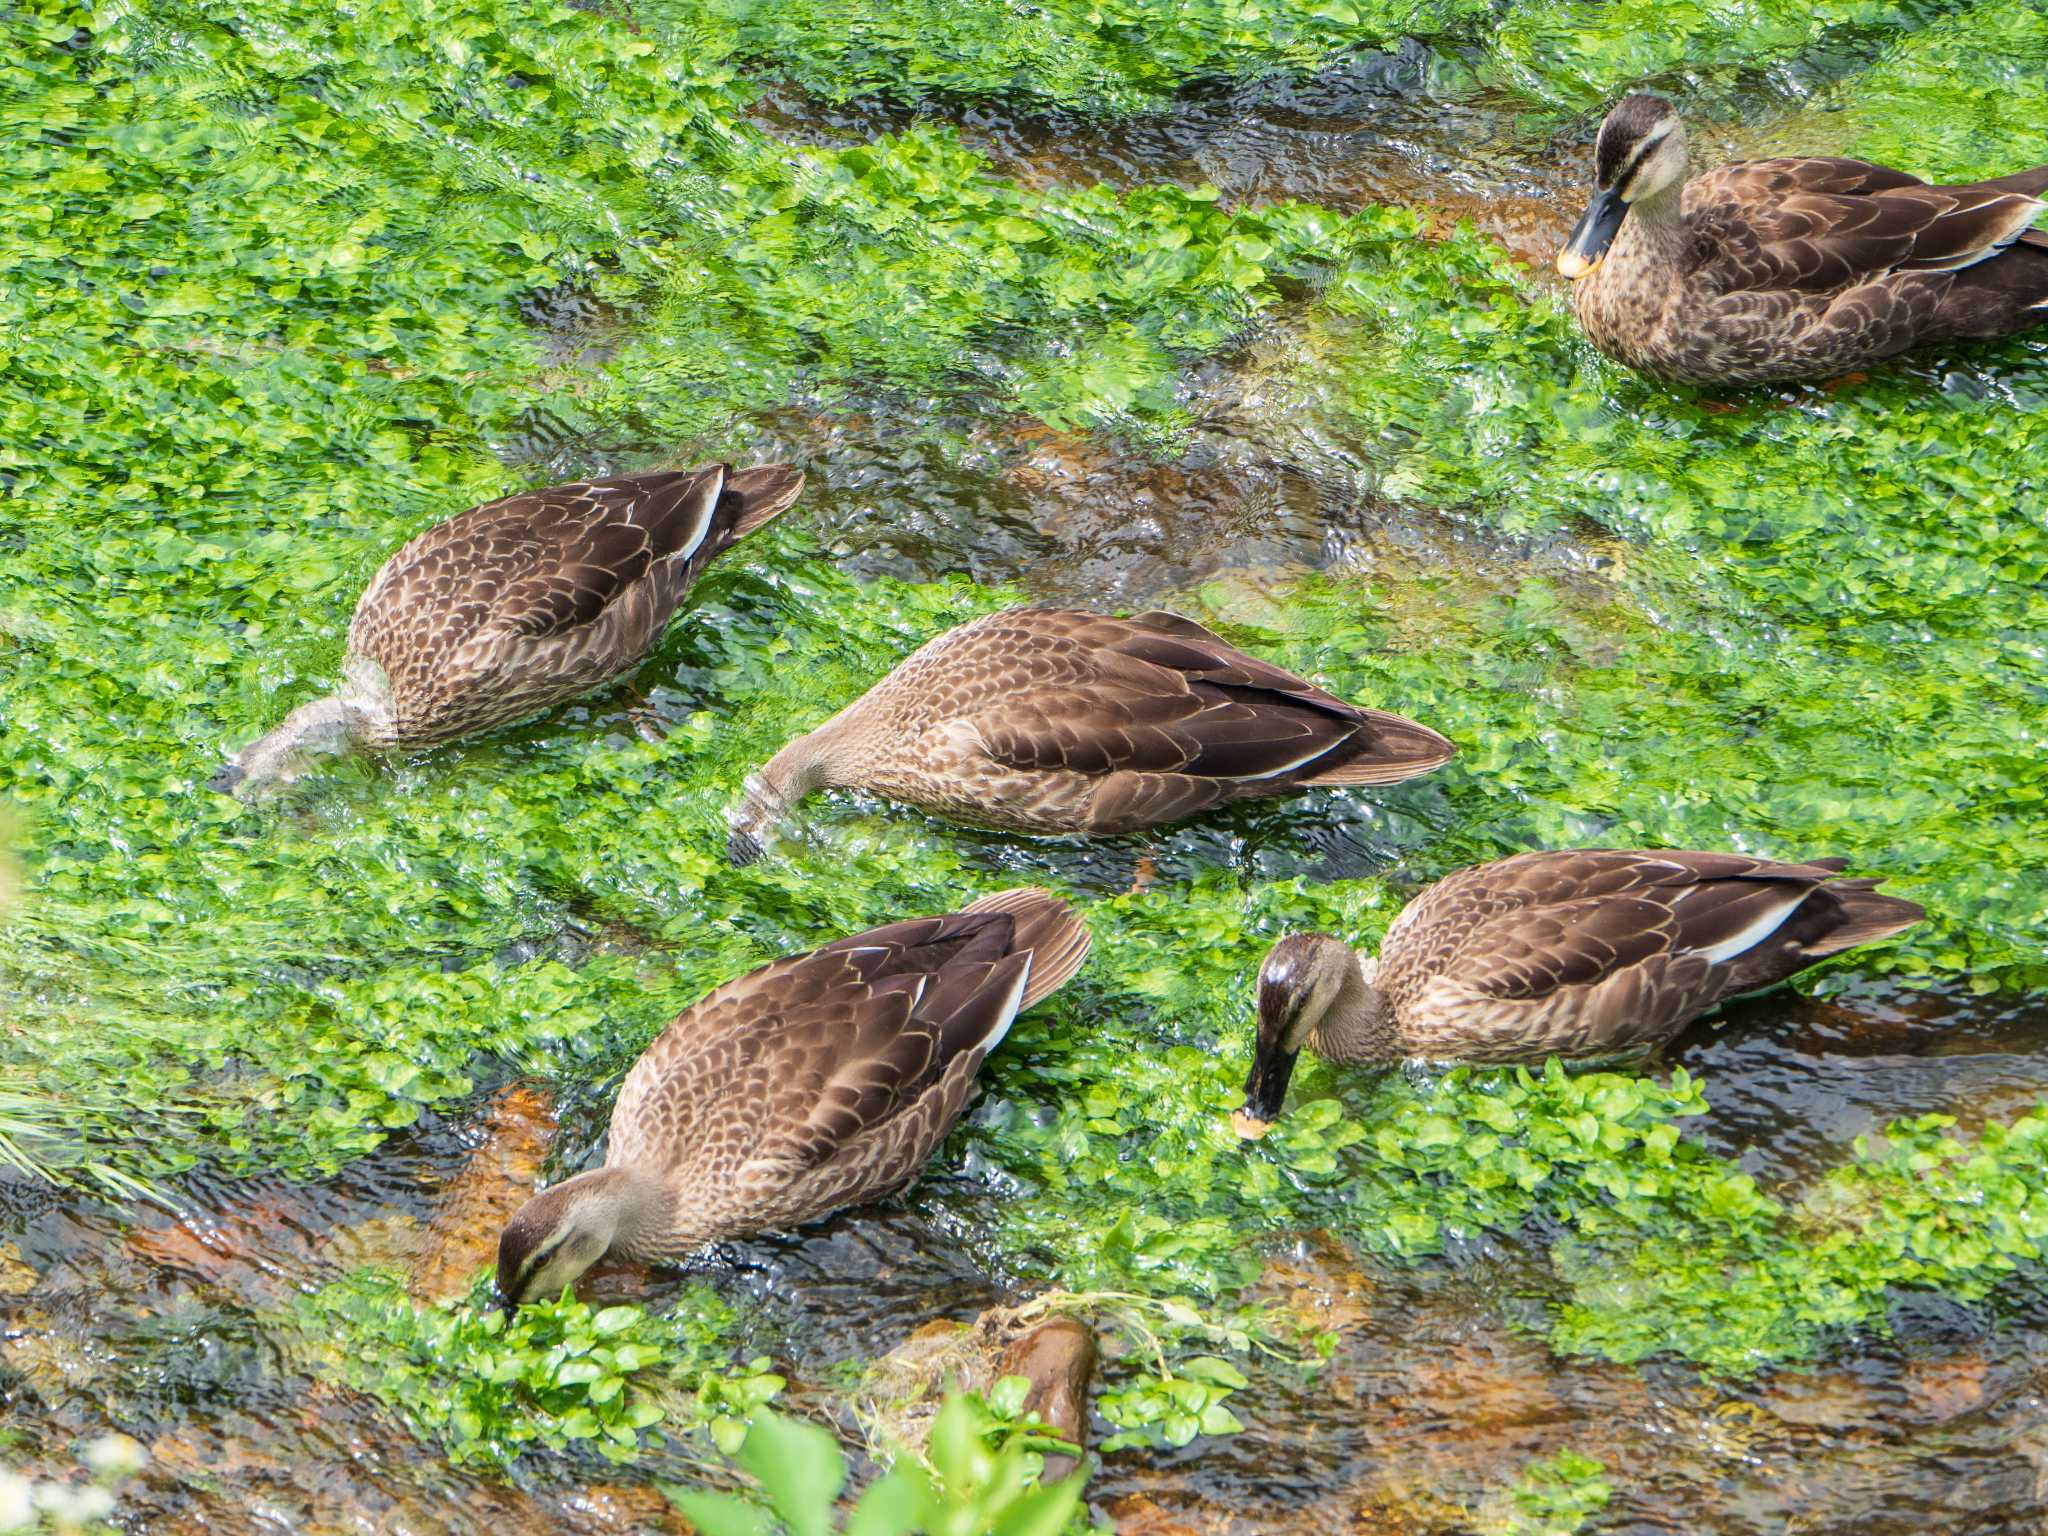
point(870, 1026)
point(1575, 918)
point(1164, 696)
point(594, 539)
point(1824, 224)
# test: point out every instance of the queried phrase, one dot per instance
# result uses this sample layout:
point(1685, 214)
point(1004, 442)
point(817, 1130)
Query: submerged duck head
point(1639, 156)
point(324, 727)
point(558, 1234)
point(1309, 981)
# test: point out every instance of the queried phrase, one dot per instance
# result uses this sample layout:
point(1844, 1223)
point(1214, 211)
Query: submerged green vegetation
point(556, 1374)
point(1133, 55)
point(275, 283)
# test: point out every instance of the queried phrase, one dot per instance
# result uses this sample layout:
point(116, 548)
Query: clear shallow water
point(1434, 1397)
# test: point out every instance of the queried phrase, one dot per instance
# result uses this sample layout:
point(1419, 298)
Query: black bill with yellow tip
point(1591, 236)
point(1265, 1091)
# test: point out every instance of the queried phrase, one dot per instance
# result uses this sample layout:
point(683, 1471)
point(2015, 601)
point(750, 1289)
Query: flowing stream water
point(1441, 1387)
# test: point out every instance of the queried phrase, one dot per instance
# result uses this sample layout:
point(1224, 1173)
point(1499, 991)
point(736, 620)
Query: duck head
point(1639, 156)
point(1313, 990)
point(808, 763)
point(325, 727)
point(558, 1234)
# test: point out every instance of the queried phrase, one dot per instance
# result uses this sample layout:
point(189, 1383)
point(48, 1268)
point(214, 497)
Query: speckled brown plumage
point(1799, 267)
point(1062, 722)
point(514, 606)
point(1582, 952)
point(816, 1082)
point(518, 604)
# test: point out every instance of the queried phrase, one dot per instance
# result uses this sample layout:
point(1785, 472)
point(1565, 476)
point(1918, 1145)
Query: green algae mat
point(281, 283)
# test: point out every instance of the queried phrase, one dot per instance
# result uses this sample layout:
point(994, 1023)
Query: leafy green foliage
point(978, 1478)
point(1555, 1497)
point(1928, 1210)
point(555, 1374)
point(1117, 56)
point(1581, 57)
point(1947, 100)
point(1174, 1406)
point(1132, 55)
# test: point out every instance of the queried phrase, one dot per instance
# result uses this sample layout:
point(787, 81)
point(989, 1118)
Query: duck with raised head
point(1799, 267)
point(1065, 723)
point(816, 1082)
point(1580, 952)
point(514, 606)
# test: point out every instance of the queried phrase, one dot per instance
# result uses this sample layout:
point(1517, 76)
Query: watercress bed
point(282, 285)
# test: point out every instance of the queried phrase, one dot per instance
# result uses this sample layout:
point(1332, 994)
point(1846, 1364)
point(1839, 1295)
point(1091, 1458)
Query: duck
point(514, 606)
point(1579, 952)
point(1062, 722)
point(1802, 267)
point(819, 1081)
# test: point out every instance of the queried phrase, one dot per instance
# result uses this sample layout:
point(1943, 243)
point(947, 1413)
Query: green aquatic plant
point(1947, 100)
point(1121, 56)
point(1556, 1496)
point(978, 1477)
point(488, 1388)
point(1583, 56)
point(1172, 1407)
point(1134, 55)
point(1927, 1209)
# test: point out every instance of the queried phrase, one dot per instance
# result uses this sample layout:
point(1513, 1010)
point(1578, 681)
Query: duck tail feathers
point(754, 498)
point(1053, 931)
point(1866, 917)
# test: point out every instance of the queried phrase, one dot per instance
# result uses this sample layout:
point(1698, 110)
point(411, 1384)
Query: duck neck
point(632, 1204)
point(1358, 1027)
point(321, 727)
point(812, 761)
point(1656, 228)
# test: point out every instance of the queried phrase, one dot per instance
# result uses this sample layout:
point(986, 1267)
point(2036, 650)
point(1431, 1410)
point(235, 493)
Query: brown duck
point(1583, 952)
point(1791, 268)
point(816, 1082)
point(514, 606)
point(1053, 721)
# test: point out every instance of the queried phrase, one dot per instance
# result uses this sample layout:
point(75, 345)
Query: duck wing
point(545, 562)
point(1617, 946)
point(778, 1073)
point(1822, 224)
point(1159, 694)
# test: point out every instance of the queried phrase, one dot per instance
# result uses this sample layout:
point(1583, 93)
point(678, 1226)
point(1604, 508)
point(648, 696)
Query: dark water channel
point(1435, 1399)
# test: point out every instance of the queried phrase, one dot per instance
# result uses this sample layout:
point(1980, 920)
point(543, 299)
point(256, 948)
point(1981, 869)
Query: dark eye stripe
point(538, 1259)
point(1635, 161)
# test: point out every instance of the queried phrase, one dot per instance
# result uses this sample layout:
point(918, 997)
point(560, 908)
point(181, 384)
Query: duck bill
point(1264, 1091)
point(1591, 236)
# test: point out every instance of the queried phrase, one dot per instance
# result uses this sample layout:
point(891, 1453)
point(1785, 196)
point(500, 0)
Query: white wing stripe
point(1755, 933)
point(1008, 1013)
